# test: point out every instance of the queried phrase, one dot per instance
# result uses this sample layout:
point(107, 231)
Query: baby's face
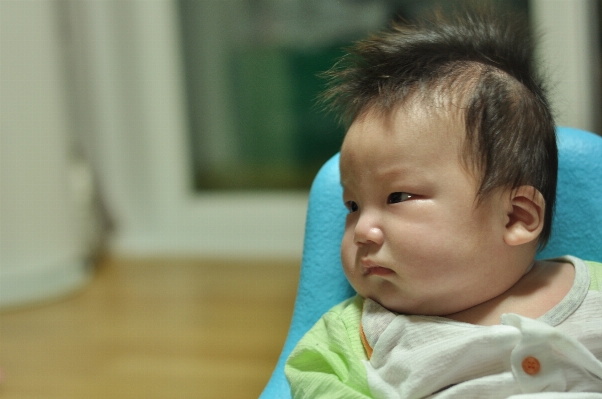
point(415, 240)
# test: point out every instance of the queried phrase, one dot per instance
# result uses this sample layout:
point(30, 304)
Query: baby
point(449, 173)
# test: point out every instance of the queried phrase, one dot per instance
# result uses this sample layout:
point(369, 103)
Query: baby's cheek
point(347, 255)
point(349, 268)
point(415, 239)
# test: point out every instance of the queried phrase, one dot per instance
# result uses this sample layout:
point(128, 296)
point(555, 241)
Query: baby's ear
point(526, 207)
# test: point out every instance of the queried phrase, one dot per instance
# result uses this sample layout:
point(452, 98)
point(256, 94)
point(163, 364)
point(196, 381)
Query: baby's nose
point(368, 231)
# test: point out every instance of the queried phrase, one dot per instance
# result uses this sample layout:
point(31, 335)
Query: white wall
point(42, 245)
point(570, 52)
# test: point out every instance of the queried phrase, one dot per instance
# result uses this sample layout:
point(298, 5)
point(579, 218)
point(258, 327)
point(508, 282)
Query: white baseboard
point(26, 285)
point(174, 243)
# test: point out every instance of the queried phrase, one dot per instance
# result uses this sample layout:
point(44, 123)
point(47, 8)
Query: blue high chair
point(577, 230)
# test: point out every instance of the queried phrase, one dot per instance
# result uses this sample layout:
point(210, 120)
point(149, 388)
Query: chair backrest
point(577, 230)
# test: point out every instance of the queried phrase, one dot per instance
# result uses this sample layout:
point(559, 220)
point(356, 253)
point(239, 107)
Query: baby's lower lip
point(379, 271)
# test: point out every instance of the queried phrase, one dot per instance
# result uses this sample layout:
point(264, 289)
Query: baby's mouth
point(370, 268)
point(379, 271)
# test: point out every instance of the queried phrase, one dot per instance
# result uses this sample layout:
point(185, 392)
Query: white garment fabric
point(424, 357)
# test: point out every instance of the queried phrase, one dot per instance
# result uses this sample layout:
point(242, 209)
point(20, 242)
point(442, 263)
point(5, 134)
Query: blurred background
point(155, 163)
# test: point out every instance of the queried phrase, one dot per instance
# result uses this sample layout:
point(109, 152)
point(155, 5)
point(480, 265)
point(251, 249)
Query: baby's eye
point(398, 197)
point(351, 206)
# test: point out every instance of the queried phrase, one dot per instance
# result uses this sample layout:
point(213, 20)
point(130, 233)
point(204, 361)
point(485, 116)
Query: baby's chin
point(421, 307)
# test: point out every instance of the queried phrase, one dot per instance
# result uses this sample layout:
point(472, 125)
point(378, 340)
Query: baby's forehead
point(447, 117)
point(426, 127)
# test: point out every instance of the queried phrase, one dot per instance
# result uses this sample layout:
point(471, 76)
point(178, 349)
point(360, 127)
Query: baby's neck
point(536, 293)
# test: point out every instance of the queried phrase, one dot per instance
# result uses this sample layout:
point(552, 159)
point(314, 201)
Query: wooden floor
point(153, 329)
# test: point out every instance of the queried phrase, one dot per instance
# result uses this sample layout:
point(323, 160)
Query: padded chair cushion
point(577, 224)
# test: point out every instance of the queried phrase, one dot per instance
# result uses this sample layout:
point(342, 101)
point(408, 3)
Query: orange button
point(531, 365)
